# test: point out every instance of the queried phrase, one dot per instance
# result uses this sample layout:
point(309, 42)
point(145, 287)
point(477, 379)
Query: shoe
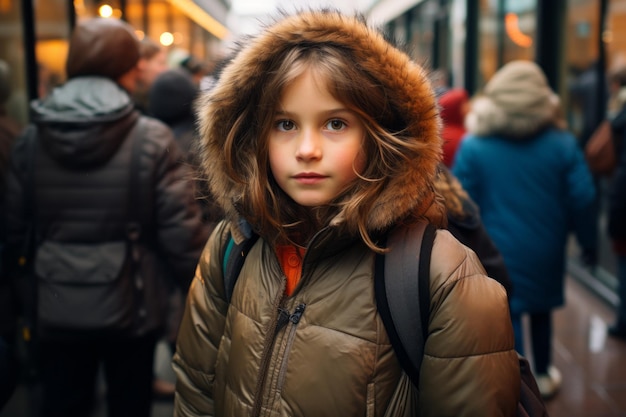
point(162, 389)
point(550, 383)
point(618, 330)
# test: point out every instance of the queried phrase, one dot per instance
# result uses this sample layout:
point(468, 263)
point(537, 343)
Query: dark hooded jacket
point(85, 133)
point(333, 357)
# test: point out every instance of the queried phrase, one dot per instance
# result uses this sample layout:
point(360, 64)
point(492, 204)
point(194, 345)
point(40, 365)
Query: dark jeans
point(69, 371)
point(540, 339)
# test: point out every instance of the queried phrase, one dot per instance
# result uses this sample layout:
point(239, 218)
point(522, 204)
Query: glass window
point(506, 34)
point(520, 28)
point(487, 41)
point(52, 30)
point(581, 99)
point(614, 36)
point(12, 53)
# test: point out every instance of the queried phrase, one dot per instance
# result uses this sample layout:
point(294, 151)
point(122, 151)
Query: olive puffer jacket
point(323, 350)
point(334, 356)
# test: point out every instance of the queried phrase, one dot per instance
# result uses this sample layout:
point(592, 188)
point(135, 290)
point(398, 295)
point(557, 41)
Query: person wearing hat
point(101, 298)
point(528, 175)
point(453, 104)
point(9, 130)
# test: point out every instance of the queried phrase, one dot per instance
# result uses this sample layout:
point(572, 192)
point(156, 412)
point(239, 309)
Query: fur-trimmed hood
point(516, 103)
point(409, 93)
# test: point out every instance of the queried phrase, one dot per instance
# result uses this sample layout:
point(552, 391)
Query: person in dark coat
point(93, 151)
point(9, 130)
point(170, 99)
point(617, 195)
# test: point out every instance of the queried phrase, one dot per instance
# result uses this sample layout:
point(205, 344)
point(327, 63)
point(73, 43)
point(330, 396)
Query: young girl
point(321, 137)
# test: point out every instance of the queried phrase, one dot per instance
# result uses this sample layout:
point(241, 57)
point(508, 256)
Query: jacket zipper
point(282, 319)
point(291, 335)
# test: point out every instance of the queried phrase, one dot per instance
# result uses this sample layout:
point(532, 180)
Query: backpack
point(406, 326)
point(600, 150)
point(60, 282)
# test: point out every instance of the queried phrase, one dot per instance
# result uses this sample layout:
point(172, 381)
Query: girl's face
point(315, 144)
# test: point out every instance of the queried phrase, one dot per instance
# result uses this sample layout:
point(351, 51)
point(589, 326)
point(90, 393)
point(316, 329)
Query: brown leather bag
point(600, 150)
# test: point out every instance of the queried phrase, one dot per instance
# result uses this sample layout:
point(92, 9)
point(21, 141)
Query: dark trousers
point(69, 372)
point(8, 371)
point(540, 339)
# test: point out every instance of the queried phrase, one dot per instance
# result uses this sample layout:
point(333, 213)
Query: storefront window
point(507, 31)
point(12, 53)
point(422, 31)
point(487, 41)
point(52, 30)
point(614, 36)
point(582, 101)
point(520, 28)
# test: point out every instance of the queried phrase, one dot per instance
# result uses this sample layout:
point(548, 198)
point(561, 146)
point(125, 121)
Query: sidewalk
point(21, 404)
point(592, 364)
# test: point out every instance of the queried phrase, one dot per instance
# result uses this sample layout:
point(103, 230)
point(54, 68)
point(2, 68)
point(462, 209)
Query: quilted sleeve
point(470, 366)
point(200, 333)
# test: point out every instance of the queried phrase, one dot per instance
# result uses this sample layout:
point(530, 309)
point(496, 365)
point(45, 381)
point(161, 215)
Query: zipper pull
point(283, 319)
point(297, 314)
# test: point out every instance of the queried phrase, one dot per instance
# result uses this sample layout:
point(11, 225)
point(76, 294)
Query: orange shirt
point(290, 259)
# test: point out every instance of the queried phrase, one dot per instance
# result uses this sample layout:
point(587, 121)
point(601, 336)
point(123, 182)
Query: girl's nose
point(309, 146)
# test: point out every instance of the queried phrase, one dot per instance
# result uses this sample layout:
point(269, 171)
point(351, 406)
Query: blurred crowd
point(107, 181)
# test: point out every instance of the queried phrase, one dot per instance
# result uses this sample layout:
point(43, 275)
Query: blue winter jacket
point(532, 194)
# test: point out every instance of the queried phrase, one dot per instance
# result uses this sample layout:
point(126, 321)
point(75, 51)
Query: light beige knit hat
point(516, 102)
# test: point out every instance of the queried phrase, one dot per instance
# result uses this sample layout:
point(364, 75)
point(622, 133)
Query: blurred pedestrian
point(617, 193)
point(529, 178)
point(152, 62)
point(100, 270)
point(171, 100)
point(320, 137)
point(9, 130)
point(197, 68)
point(454, 104)
point(465, 223)
point(586, 91)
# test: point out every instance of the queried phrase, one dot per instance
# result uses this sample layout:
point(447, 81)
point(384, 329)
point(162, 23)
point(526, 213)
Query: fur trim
point(487, 118)
point(406, 83)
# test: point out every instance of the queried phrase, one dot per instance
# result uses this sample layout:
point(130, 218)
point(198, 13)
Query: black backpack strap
point(402, 287)
point(233, 259)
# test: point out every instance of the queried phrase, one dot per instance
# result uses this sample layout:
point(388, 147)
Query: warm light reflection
point(511, 25)
point(166, 39)
point(79, 7)
point(201, 17)
point(140, 34)
point(105, 10)
point(5, 6)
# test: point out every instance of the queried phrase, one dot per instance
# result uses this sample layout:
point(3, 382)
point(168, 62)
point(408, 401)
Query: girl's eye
point(335, 124)
point(285, 125)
